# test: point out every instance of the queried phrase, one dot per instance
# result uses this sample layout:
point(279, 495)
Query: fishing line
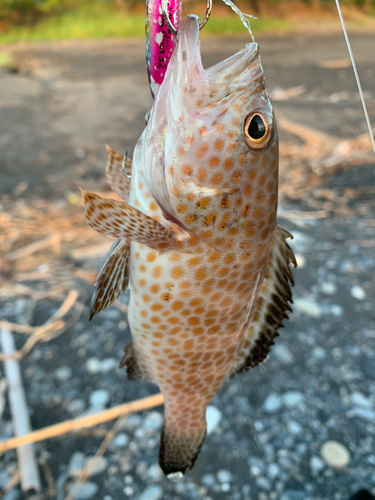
point(356, 75)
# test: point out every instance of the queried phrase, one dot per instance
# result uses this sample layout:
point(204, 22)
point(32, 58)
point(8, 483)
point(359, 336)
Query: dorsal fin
point(116, 177)
point(273, 302)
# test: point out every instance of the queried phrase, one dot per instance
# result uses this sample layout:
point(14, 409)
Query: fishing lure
point(197, 239)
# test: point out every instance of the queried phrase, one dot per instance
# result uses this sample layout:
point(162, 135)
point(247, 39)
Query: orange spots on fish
point(186, 169)
point(228, 163)
point(202, 151)
point(177, 305)
point(232, 146)
point(173, 320)
point(155, 319)
point(175, 330)
point(142, 282)
point(190, 196)
point(242, 159)
point(189, 219)
point(235, 121)
point(157, 272)
point(248, 190)
point(260, 197)
point(237, 107)
point(140, 186)
point(151, 256)
point(218, 145)
point(185, 284)
point(265, 161)
point(181, 208)
point(273, 199)
point(188, 345)
point(157, 335)
point(219, 127)
point(174, 257)
point(177, 272)
point(142, 268)
point(201, 174)
point(146, 298)
point(194, 321)
point(175, 190)
point(262, 179)
point(210, 219)
point(201, 274)
point(203, 202)
point(170, 170)
point(155, 288)
point(199, 102)
point(202, 130)
point(180, 152)
point(216, 179)
point(143, 313)
point(236, 176)
point(252, 173)
point(153, 206)
point(258, 213)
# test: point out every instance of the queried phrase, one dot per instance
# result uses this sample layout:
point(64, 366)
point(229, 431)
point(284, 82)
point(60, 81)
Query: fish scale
point(208, 267)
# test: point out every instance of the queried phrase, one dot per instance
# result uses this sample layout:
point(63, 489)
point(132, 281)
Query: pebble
point(109, 364)
point(76, 463)
point(263, 483)
point(336, 310)
point(358, 292)
point(319, 353)
point(99, 398)
point(63, 373)
point(328, 288)
point(84, 491)
point(213, 417)
point(363, 413)
point(301, 261)
point(154, 492)
point(294, 427)
point(224, 476)
point(292, 399)
point(335, 454)
point(359, 399)
point(101, 464)
point(208, 480)
point(121, 440)
point(154, 472)
point(272, 403)
point(283, 354)
point(316, 464)
point(273, 470)
point(93, 365)
point(76, 406)
point(153, 420)
point(308, 307)
point(293, 495)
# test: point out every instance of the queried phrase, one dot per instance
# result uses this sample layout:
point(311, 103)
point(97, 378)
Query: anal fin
point(136, 368)
point(113, 278)
point(272, 306)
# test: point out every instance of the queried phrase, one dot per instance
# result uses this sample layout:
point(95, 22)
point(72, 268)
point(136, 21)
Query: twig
point(87, 471)
point(79, 423)
point(52, 240)
point(30, 479)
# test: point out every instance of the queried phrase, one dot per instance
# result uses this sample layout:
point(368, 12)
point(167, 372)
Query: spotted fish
point(198, 244)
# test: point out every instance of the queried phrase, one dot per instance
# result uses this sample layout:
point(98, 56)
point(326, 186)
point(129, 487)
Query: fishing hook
point(164, 7)
point(126, 173)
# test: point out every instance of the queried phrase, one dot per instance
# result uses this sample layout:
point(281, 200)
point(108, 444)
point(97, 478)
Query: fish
point(197, 240)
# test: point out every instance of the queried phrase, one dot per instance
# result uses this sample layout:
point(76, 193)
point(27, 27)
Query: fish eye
point(258, 129)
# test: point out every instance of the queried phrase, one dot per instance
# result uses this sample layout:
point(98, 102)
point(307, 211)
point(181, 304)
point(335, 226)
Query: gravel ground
point(299, 427)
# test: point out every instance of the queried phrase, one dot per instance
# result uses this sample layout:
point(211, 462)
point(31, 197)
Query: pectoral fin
point(115, 175)
point(120, 220)
point(273, 302)
point(113, 279)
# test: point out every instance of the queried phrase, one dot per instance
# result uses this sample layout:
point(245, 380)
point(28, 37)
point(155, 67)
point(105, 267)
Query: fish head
point(212, 145)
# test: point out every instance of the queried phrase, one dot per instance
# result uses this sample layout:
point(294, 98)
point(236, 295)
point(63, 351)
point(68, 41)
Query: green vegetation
point(45, 20)
point(5, 59)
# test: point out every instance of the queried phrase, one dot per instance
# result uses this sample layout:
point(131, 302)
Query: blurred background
point(299, 427)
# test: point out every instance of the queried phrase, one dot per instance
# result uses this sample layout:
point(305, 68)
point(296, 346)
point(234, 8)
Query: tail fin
point(180, 446)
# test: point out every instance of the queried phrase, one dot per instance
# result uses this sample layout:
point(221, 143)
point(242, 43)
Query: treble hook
point(164, 8)
point(124, 161)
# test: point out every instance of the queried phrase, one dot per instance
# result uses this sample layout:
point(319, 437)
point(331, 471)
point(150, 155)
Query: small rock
point(328, 288)
point(364, 413)
point(301, 261)
point(294, 427)
point(208, 480)
point(319, 353)
point(283, 354)
point(273, 470)
point(99, 465)
point(308, 307)
point(63, 373)
point(293, 495)
point(358, 292)
point(154, 492)
point(316, 464)
point(359, 399)
point(263, 483)
point(292, 399)
point(76, 406)
point(132, 422)
point(93, 365)
point(76, 463)
point(99, 399)
point(335, 454)
point(153, 420)
point(224, 476)
point(213, 417)
point(121, 440)
point(272, 403)
point(154, 472)
point(336, 310)
point(84, 491)
point(109, 364)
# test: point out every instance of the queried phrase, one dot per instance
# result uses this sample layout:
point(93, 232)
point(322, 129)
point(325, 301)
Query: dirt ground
point(59, 105)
